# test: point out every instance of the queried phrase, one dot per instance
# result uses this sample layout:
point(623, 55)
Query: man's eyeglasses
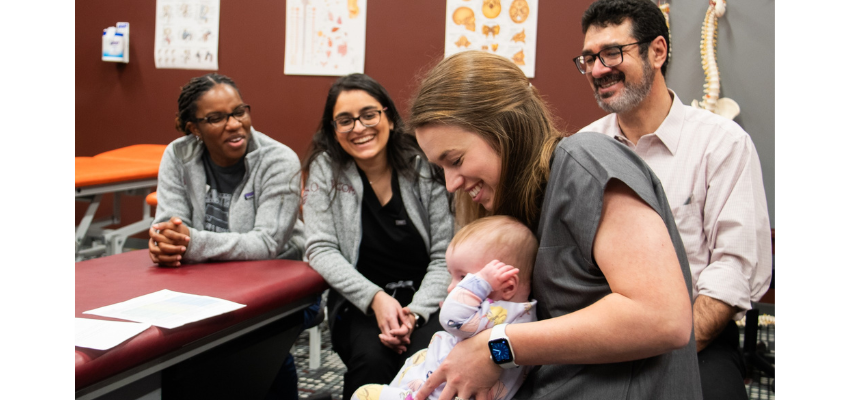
point(219, 119)
point(368, 118)
point(609, 56)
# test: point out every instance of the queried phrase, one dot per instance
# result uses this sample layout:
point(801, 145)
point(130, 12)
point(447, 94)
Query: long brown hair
point(401, 145)
point(489, 95)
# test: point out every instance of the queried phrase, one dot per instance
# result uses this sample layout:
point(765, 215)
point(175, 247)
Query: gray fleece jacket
point(263, 218)
point(334, 232)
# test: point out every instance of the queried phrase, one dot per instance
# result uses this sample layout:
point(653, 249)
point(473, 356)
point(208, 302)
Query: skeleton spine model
point(711, 100)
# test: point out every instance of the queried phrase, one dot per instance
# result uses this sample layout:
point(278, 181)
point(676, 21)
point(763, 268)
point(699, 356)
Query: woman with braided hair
point(227, 192)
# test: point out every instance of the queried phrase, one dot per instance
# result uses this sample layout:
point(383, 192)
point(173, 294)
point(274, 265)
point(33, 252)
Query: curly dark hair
point(647, 20)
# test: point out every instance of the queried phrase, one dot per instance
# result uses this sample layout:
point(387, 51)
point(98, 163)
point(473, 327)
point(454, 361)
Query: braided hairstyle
point(187, 103)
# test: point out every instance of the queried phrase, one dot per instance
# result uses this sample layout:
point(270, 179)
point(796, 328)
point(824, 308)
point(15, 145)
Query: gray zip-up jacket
point(263, 218)
point(334, 232)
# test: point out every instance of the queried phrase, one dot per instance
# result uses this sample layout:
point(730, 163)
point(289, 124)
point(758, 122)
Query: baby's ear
point(510, 288)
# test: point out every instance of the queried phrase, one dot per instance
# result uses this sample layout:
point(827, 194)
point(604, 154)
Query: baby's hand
point(497, 273)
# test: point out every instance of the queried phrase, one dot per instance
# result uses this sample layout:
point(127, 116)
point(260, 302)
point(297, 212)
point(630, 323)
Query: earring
point(197, 138)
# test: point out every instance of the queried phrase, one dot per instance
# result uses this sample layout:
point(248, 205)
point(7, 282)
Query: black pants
point(721, 367)
point(285, 384)
point(355, 339)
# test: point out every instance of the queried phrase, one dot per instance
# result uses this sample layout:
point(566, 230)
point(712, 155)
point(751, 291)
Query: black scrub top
point(392, 252)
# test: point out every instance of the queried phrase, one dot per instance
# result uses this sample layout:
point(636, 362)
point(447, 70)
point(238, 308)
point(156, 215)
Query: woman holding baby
point(611, 276)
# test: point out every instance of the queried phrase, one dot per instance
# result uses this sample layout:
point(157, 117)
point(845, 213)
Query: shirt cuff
point(725, 285)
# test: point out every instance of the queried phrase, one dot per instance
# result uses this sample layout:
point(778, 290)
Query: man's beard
point(632, 93)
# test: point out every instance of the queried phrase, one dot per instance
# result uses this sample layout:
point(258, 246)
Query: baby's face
point(464, 259)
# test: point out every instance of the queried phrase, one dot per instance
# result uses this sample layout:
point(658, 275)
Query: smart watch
point(501, 351)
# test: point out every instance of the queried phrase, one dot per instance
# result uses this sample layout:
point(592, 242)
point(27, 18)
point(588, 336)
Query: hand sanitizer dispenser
point(116, 43)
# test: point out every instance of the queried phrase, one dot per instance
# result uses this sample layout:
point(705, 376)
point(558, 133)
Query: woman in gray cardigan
point(227, 192)
point(224, 191)
point(378, 223)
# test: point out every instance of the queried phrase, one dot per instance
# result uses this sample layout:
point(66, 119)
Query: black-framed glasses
point(218, 119)
point(368, 118)
point(609, 56)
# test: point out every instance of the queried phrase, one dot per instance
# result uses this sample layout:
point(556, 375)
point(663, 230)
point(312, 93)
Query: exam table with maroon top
point(233, 355)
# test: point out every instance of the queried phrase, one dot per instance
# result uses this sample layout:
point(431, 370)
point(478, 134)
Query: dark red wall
point(118, 105)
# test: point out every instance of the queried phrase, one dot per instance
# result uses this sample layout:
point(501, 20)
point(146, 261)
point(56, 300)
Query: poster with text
point(504, 27)
point(186, 34)
point(325, 37)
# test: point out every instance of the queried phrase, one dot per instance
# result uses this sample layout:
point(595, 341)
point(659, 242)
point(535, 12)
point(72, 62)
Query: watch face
point(500, 351)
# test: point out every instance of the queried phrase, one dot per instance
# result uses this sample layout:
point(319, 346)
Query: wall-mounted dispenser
point(116, 43)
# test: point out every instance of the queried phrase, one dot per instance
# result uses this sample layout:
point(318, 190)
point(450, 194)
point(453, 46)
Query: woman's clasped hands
point(396, 322)
point(168, 242)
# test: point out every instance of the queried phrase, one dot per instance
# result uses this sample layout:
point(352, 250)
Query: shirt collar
point(671, 129)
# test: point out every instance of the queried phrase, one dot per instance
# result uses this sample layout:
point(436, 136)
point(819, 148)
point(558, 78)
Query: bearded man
point(708, 166)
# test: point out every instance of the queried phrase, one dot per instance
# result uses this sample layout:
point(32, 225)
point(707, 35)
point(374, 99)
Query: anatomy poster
point(504, 27)
point(186, 34)
point(325, 37)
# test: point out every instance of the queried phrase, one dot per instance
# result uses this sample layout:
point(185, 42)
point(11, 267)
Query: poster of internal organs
point(325, 37)
point(504, 27)
point(186, 34)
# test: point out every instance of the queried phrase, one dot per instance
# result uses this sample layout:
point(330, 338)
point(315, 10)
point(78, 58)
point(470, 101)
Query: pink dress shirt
point(712, 177)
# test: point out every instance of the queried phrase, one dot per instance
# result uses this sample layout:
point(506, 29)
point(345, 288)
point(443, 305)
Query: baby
point(482, 294)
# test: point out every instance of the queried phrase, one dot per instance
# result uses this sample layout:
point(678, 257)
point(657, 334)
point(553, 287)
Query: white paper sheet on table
point(104, 335)
point(167, 309)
